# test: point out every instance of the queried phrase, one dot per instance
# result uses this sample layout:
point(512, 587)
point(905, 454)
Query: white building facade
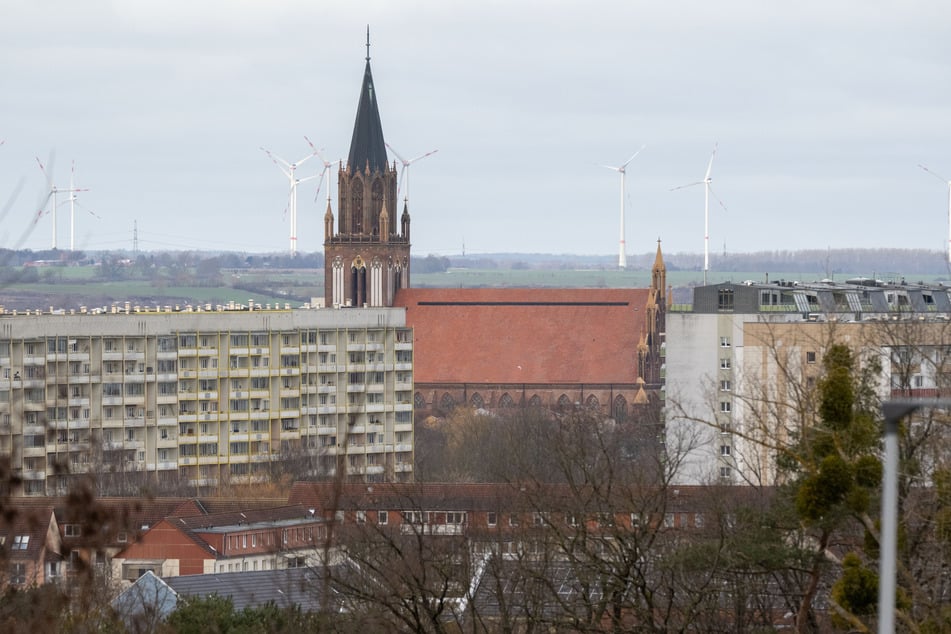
point(744, 359)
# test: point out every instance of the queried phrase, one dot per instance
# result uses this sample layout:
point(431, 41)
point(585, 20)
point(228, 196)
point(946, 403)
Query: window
point(725, 472)
point(725, 299)
point(492, 518)
point(361, 517)
point(725, 363)
point(918, 381)
point(724, 342)
point(725, 386)
point(513, 520)
point(810, 356)
point(383, 517)
point(724, 450)
point(72, 530)
point(18, 574)
point(726, 406)
point(20, 542)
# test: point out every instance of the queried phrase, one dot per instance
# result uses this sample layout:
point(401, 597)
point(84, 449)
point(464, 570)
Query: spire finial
point(368, 42)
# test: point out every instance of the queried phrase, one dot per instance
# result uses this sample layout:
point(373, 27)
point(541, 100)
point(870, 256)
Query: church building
point(490, 348)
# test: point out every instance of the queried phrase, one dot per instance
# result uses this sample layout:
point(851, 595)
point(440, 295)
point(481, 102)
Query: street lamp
point(893, 412)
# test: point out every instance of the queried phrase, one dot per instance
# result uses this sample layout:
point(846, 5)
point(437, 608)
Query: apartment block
point(202, 398)
point(744, 358)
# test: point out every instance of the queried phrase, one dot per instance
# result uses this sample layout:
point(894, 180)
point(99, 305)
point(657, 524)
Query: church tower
point(366, 259)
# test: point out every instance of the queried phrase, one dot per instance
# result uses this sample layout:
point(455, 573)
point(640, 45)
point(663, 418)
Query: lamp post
point(893, 412)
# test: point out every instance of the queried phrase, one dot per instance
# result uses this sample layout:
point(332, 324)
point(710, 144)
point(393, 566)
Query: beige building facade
point(205, 398)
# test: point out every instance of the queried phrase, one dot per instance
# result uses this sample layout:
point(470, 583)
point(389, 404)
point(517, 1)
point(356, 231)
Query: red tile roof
point(525, 335)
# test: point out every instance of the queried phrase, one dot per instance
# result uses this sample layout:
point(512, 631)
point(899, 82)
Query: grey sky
point(822, 111)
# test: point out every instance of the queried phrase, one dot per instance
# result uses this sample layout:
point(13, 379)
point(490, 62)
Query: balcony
point(403, 365)
point(208, 352)
point(290, 371)
point(403, 407)
point(167, 354)
point(403, 345)
point(34, 452)
point(112, 355)
point(403, 467)
point(356, 387)
point(403, 427)
point(402, 447)
point(188, 417)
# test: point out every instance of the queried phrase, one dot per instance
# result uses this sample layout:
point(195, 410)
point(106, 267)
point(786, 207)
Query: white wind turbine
point(72, 207)
point(404, 172)
point(53, 191)
point(708, 191)
point(948, 183)
point(323, 172)
point(622, 170)
point(290, 171)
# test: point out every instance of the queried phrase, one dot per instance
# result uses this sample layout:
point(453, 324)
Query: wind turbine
point(53, 191)
point(948, 182)
point(708, 191)
point(405, 170)
point(622, 170)
point(289, 170)
point(326, 170)
point(72, 207)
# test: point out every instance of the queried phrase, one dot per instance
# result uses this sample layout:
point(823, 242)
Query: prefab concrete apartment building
point(203, 398)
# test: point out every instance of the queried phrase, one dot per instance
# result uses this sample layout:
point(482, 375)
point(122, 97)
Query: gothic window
point(619, 411)
point(356, 206)
point(506, 401)
point(592, 402)
point(376, 206)
point(418, 401)
point(564, 403)
point(477, 401)
point(535, 401)
point(447, 403)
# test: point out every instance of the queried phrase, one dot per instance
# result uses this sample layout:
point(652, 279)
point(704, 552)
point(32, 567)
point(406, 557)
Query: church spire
point(367, 147)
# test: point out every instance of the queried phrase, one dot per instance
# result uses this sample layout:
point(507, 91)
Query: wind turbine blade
point(710, 164)
point(91, 212)
point(673, 189)
point(421, 156)
point(321, 181)
point(935, 174)
point(399, 186)
point(610, 167)
point(402, 160)
point(633, 156)
point(717, 198)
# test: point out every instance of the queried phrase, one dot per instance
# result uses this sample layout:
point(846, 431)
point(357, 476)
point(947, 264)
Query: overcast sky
point(822, 112)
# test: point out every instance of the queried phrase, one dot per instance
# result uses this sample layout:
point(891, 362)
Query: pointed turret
point(328, 223)
point(384, 223)
point(404, 221)
point(659, 275)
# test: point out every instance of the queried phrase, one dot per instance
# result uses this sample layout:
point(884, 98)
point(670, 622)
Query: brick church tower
point(367, 258)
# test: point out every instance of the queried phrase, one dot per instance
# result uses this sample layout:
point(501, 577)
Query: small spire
point(368, 42)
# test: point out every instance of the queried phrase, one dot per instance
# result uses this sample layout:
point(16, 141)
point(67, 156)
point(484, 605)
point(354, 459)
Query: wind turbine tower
point(53, 191)
point(72, 207)
point(290, 171)
point(404, 172)
point(707, 193)
point(622, 170)
point(948, 182)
